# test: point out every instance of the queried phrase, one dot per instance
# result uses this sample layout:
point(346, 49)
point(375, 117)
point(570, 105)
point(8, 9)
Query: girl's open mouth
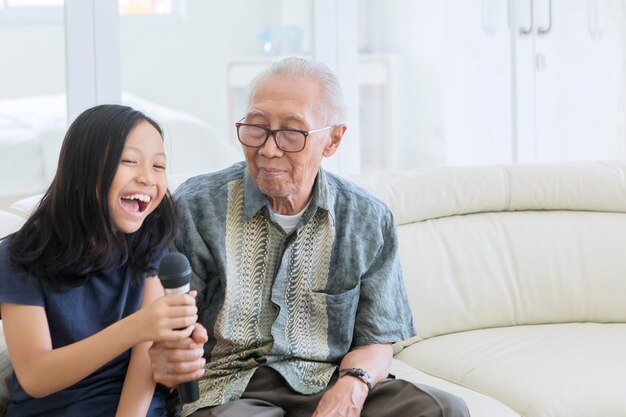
point(135, 203)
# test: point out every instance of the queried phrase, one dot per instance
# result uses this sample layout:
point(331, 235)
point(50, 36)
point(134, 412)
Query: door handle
point(526, 31)
point(545, 30)
point(594, 26)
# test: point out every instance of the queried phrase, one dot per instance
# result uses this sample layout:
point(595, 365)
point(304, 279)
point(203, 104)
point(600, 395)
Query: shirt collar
point(323, 197)
point(254, 199)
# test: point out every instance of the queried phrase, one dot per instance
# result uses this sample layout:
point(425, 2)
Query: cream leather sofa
point(516, 275)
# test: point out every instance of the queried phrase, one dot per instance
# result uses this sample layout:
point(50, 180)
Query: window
point(37, 9)
point(17, 4)
point(32, 97)
point(20, 12)
point(151, 7)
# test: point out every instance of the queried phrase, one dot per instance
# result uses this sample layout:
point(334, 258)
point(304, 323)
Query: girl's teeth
point(141, 197)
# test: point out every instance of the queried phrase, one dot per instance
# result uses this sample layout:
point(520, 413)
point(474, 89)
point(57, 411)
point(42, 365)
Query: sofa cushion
point(477, 403)
point(573, 370)
point(6, 371)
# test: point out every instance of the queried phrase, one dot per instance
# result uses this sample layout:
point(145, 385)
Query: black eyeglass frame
point(272, 132)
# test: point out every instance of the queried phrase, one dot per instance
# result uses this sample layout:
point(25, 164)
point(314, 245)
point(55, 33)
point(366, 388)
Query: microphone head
point(174, 270)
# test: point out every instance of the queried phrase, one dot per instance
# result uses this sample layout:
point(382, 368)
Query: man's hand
point(344, 399)
point(347, 396)
point(175, 362)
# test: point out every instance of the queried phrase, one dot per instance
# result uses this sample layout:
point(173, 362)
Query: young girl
point(73, 289)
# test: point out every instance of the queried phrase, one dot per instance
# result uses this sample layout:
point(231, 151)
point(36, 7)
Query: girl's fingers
point(182, 311)
point(179, 299)
point(182, 323)
point(181, 333)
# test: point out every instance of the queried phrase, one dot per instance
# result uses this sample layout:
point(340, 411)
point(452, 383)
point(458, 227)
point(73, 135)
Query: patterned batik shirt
point(295, 302)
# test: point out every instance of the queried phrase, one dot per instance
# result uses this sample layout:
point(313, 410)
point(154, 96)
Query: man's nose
point(270, 147)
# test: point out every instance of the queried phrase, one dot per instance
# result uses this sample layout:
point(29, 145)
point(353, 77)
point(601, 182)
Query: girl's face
point(140, 182)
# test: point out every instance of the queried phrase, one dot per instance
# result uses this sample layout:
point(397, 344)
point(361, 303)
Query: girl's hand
point(168, 318)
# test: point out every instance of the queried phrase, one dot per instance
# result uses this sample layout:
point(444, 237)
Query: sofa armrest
point(9, 223)
point(399, 346)
point(6, 370)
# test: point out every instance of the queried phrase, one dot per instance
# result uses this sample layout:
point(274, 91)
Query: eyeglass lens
point(287, 140)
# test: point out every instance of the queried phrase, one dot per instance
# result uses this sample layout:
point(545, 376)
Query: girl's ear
point(336, 135)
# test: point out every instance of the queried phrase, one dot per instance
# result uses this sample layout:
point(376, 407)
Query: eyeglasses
point(287, 140)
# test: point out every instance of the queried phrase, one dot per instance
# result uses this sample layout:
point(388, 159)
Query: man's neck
point(289, 206)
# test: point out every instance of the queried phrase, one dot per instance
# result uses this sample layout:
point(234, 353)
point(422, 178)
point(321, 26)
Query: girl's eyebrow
point(141, 151)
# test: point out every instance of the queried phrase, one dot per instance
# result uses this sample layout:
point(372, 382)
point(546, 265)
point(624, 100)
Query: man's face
point(287, 178)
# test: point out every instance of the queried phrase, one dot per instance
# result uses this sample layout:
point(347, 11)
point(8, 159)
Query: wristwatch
point(358, 373)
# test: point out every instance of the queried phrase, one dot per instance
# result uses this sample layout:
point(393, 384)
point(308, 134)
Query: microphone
point(175, 275)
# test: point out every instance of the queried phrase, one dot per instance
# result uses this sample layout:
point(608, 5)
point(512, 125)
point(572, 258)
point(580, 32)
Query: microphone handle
point(188, 392)
point(178, 290)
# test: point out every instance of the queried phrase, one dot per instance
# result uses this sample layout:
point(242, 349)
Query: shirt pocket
point(351, 295)
point(339, 311)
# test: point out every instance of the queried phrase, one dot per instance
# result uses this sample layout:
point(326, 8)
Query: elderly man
point(297, 271)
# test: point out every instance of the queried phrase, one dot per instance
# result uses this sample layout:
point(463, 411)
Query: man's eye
point(159, 166)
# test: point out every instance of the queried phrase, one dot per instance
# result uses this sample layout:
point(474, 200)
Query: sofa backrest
point(510, 244)
point(9, 223)
point(500, 245)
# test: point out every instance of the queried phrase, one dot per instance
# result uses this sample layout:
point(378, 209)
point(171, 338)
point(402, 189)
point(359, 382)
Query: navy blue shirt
point(74, 314)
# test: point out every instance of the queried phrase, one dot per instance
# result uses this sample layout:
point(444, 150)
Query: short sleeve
point(383, 313)
point(17, 286)
point(156, 261)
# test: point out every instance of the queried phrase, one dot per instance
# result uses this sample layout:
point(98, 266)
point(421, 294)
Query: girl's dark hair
point(70, 235)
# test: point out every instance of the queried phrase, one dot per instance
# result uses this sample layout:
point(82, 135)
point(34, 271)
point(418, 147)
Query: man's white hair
point(332, 106)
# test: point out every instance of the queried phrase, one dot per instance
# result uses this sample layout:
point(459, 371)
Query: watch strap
point(362, 374)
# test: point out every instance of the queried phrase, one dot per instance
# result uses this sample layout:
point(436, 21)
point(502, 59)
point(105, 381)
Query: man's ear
point(336, 135)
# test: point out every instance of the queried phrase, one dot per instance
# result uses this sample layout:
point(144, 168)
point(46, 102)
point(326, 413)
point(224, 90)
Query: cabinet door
point(451, 87)
point(578, 73)
point(475, 70)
